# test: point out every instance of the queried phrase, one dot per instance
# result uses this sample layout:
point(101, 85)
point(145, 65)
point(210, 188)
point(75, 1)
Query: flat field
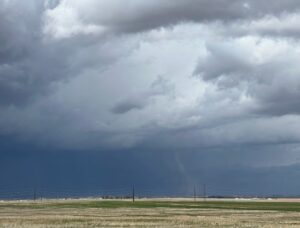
point(149, 213)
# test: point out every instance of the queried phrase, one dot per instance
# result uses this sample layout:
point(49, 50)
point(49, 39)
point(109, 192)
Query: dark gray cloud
point(126, 106)
point(140, 16)
point(29, 62)
point(175, 173)
point(84, 75)
point(194, 87)
point(272, 82)
point(159, 87)
point(222, 60)
point(28, 66)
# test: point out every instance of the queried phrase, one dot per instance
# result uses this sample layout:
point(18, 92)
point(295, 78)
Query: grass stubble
point(103, 213)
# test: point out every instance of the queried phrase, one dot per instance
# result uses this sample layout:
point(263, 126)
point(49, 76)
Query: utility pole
point(41, 195)
point(195, 193)
point(204, 192)
point(133, 196)
point(34, 194)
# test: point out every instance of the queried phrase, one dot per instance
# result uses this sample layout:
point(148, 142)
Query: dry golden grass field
point(148, 213)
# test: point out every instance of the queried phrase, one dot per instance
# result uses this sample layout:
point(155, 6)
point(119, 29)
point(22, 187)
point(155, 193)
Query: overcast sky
point(194, 86)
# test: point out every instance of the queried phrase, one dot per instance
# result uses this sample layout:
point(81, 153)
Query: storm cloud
point(153, 76)
point(136, 16)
